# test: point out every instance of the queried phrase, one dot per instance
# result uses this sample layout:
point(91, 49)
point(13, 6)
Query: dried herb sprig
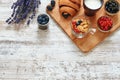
point(23, 9)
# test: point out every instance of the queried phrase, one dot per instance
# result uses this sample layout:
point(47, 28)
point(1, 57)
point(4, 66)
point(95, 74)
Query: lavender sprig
point(23, 9)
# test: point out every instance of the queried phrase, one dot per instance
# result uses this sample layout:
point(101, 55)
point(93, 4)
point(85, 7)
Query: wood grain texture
point(90, 41)
point(27, 53)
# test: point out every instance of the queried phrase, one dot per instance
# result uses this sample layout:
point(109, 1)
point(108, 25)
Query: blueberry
point(112, 6)
point(43, 19)
point(39, 17)
point(43, 15)
point(43, 23)
point(78, 22)
point(52, 3)
point(40, 22)
point(49, 8)
point(65, 15)
point(47, 18)
point(46, 21)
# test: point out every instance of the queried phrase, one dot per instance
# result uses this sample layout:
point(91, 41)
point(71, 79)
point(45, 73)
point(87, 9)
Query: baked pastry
point(69, 7)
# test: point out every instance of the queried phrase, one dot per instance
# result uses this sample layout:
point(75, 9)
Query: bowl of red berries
point(105, 24)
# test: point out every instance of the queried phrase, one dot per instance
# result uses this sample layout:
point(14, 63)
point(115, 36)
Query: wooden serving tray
point(90, 41)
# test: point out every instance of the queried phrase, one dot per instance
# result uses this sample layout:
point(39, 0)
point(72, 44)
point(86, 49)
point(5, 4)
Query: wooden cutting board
point(89, 41)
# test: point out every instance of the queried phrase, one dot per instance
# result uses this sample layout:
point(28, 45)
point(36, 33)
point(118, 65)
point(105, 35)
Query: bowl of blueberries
point(43, 21)
point(112, 7)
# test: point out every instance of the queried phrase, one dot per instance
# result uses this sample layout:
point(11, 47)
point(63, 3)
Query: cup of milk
point(92, 6)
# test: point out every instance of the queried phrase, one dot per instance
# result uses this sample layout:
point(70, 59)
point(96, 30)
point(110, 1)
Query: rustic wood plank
point(33, 54)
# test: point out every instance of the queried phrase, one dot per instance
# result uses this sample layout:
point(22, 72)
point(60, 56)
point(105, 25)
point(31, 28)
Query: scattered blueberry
point(52, 3)
point(65, 15)
point(49, 8)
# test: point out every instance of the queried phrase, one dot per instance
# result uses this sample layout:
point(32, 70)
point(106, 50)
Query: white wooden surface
point(28, 53)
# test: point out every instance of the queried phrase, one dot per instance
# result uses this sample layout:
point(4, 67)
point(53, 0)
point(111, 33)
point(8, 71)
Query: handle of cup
point(92, 31)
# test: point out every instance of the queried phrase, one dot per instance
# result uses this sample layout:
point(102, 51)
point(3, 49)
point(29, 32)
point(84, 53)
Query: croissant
point(69, 7)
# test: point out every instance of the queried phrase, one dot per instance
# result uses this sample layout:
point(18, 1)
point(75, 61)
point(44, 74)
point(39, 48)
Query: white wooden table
point(27, 53)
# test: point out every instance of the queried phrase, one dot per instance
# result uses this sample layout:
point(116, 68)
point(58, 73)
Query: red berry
point(105, 23)
point(73, 22)
point(76, 30)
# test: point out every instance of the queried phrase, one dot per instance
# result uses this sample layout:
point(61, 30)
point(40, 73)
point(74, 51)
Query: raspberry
point(105, 23)
point(77, 31)
point(73, 23)
point(49, 8)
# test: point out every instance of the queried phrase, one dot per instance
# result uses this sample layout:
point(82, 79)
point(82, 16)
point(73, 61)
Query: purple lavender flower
point(23, 9)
